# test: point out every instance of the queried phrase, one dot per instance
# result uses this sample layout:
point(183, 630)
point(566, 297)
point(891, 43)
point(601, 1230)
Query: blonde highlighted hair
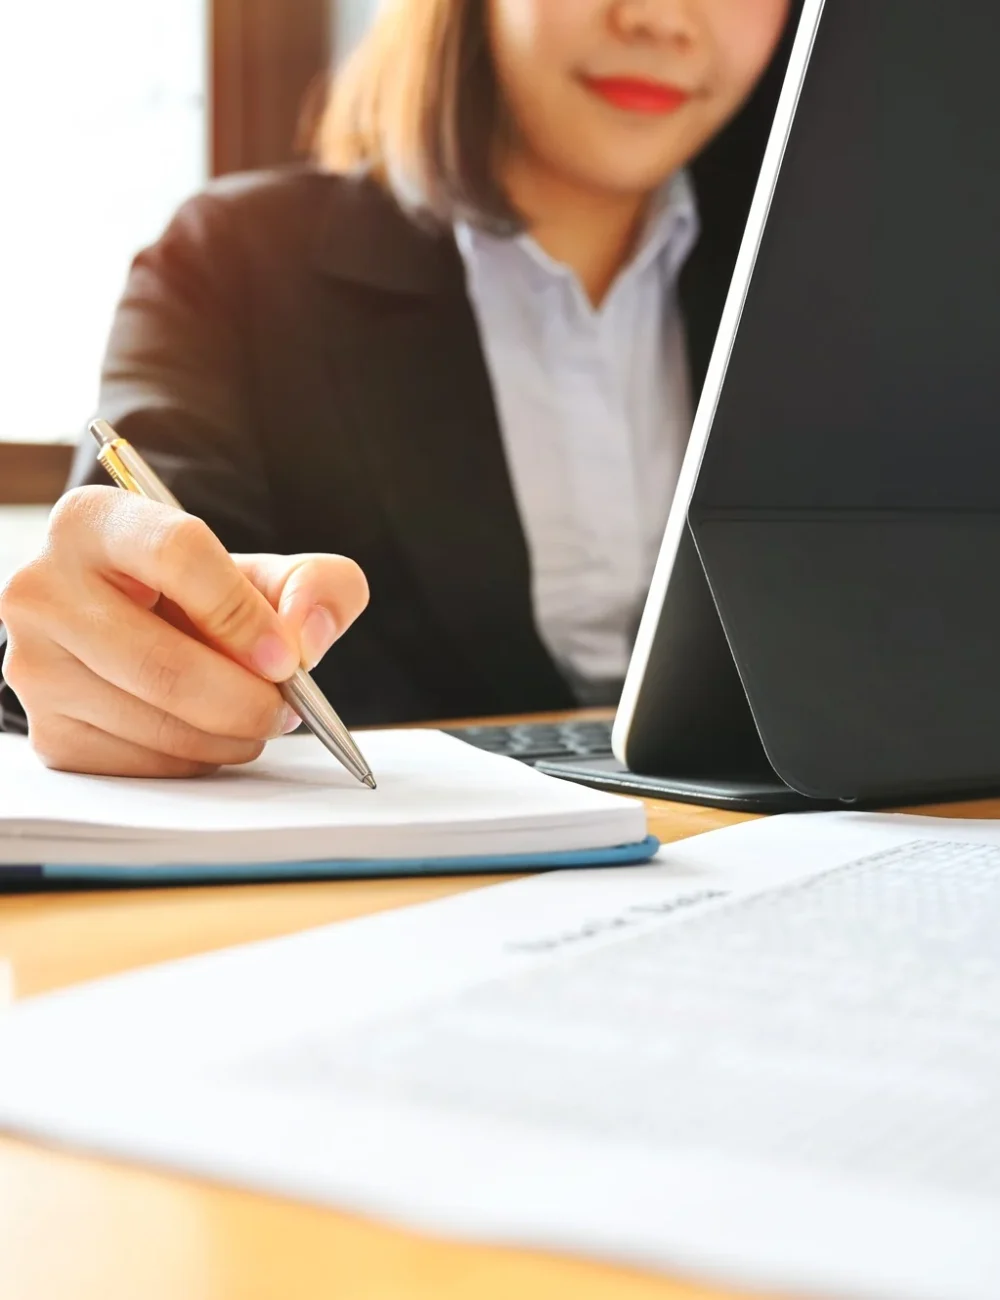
point(417, 106)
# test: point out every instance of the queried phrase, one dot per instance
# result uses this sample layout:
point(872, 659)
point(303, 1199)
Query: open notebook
point(441, 805)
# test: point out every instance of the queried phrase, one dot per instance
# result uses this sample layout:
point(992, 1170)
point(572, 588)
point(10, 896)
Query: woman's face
point(615, 95)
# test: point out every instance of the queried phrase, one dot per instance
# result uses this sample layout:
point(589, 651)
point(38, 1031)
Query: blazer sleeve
point(175, 382)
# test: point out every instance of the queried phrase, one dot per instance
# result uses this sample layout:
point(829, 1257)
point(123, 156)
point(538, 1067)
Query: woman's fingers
point(80, 695)
point(143, 655)
point(72, 746)
point(317, 596)
point(180, 557)
point(138, 646)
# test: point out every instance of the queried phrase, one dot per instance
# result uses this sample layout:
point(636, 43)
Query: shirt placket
point(604, 497)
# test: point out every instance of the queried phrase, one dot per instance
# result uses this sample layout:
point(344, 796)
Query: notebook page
point(435, 795)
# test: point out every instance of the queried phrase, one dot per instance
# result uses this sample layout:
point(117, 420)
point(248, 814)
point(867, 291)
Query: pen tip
point(369, 781)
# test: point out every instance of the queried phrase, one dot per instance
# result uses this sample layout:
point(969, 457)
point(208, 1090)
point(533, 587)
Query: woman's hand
point(139, 646)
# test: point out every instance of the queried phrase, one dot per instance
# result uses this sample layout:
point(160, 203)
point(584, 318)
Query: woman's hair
point(417, 106)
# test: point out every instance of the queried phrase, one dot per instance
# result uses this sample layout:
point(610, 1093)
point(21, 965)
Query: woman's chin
point(619, 178)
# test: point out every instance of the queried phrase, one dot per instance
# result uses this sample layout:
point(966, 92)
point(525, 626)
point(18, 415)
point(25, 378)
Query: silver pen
point(128, 469)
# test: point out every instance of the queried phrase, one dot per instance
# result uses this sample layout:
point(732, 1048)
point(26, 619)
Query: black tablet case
point(846, 645)
point(847, 512)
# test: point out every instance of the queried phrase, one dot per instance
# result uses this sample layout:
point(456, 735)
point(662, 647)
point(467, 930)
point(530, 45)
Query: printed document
point(770, 1059)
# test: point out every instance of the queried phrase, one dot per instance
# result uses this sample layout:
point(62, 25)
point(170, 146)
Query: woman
point(462, 350)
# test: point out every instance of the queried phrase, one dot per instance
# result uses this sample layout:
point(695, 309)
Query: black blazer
point(301, 363)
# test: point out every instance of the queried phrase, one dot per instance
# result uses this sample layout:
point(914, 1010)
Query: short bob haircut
point(418, 107)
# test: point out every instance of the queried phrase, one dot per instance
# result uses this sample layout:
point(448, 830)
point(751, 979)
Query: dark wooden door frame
point(269, 63)
point(33, 473)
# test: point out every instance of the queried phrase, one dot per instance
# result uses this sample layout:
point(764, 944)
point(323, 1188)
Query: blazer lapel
point(408, 356)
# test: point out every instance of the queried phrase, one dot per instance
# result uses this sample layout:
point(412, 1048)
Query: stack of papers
point(771, 1058)
point(439, 803)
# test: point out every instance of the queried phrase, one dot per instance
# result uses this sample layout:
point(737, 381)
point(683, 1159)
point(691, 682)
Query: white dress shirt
point(595, 411)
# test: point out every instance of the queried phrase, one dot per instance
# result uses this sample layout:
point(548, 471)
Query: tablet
point(822, 625)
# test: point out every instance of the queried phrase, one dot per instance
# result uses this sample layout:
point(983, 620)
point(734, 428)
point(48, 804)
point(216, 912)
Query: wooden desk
point(82, 1229)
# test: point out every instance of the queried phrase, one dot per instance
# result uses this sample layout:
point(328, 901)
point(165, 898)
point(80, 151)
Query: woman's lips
point(637, 96)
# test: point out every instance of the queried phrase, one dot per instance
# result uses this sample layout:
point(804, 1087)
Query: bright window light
point(102, 134)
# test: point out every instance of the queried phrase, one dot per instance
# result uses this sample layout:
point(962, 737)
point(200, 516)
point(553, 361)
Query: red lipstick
point(638, 96)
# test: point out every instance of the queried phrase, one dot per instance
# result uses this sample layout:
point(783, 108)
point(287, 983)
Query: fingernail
point(286, 721)
point(319, 632)
point(272, 658)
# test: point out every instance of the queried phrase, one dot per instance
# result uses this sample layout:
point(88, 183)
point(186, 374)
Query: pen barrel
point(146, 482)
point(309, 702)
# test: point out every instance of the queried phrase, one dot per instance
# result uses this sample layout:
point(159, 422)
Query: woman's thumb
point(317, 596)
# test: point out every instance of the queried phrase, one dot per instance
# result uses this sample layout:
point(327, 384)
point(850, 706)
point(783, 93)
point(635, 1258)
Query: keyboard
point(581, 751)
point(537, 742)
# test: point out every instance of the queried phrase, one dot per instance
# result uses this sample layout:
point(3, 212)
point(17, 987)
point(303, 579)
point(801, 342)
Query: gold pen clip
point(115, 468)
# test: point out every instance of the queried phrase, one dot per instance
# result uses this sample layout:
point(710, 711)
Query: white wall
point(21, 531)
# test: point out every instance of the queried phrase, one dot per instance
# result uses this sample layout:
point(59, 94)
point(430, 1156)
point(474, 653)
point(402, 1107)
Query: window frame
point(33, 473)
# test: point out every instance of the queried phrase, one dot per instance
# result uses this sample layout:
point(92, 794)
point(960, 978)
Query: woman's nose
point(669, 21)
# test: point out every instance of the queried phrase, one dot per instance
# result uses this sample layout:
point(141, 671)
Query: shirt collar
point(670, 230)
point(671, 226)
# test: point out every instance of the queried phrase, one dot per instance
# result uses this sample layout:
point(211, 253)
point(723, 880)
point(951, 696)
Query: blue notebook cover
point(360, 869)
